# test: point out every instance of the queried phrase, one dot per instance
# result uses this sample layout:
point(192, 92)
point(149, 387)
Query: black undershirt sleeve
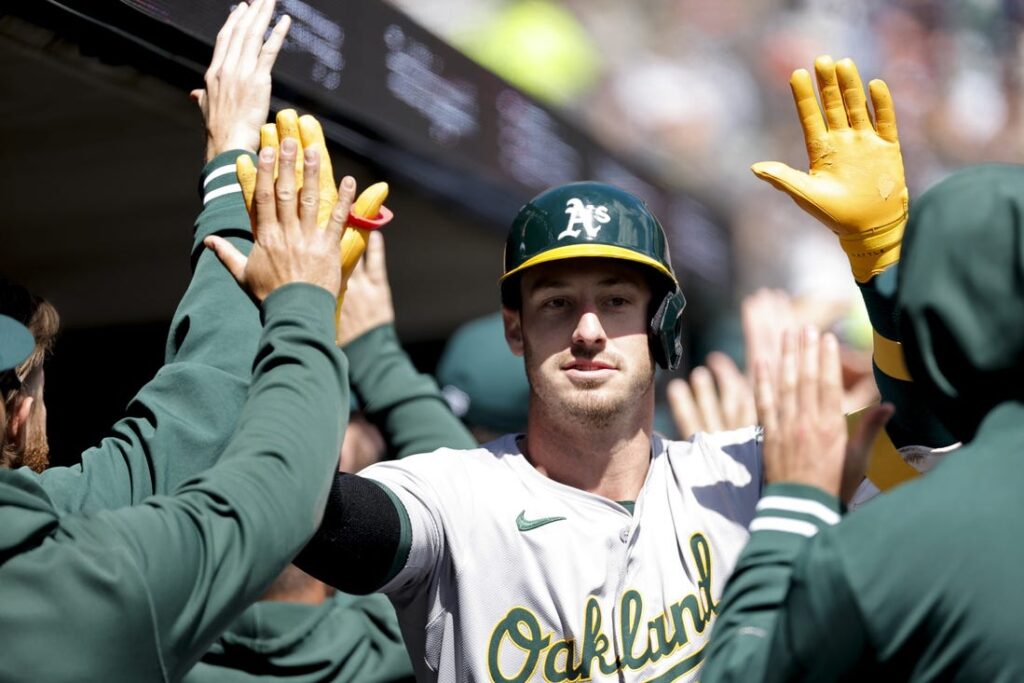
point(364, 539)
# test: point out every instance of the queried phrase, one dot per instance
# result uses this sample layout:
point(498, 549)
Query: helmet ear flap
point(666, 330)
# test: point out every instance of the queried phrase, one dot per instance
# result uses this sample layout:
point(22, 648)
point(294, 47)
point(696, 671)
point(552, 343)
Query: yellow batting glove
point(855, 185)
point(288, 125)
point(368, 211)
point(308, 132)
point(369, 204)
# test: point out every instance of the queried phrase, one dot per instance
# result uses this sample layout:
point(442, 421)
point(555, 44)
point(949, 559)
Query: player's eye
point(617, 301)
point(556, 303)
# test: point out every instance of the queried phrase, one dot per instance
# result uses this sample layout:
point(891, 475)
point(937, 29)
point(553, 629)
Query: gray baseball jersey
point(514, 577)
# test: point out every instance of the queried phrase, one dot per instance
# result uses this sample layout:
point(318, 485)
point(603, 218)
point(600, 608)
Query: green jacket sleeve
point(347, 638)
point(405, 404)
point(788, 613)
point(354, 639)
point(913, 424)
point(179, 422)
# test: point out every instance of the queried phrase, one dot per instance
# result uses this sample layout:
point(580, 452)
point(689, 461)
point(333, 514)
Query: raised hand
point(236, 100)
point(805, 437)
point(289, 245)
point(801, 412)
point(716, 398)
point(855, 183)
point(369, 302)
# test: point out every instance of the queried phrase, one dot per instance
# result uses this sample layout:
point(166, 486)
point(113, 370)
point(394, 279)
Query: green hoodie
point(920, 585)
point(138, 593)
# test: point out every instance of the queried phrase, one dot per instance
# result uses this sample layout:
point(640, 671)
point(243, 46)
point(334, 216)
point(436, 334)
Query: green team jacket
point(139, 593)
point(347, 638)
point(179, 423)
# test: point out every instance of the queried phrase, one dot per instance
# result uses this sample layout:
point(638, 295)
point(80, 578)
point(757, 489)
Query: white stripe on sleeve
point(220, 192)
point(792, 526)
point(799, 505)
point(222, 171)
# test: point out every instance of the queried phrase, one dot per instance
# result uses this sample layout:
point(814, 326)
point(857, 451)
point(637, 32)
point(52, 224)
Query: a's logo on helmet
point(586, 215)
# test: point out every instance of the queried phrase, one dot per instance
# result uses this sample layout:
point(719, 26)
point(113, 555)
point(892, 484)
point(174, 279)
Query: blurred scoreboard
point(371, 64)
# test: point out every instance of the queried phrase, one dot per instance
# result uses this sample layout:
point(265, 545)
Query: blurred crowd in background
point(694, 90)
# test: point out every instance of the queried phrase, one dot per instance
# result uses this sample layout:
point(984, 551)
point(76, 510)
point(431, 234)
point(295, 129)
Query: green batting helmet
point(595, 220)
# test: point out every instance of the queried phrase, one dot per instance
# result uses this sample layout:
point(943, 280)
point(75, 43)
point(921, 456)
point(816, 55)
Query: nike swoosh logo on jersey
point(524, 524)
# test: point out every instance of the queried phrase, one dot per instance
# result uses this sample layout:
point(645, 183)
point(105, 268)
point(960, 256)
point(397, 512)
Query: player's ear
point(513, 330)
point(17, 426)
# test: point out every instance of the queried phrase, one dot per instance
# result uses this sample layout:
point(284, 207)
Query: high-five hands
point(855, 185)
point(289, 245)
point(805, 439)
point(309, 134)
point(236, 100)
point(368, 212)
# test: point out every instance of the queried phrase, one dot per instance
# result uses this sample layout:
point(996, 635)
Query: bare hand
point(701, 406)
point(289, 247)
point(368, 301)
point(767, 313)
point(804, 429)
point(236, 100)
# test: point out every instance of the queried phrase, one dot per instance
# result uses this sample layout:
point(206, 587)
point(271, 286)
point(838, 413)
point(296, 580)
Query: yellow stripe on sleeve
point(888, 356)
point(886, 467)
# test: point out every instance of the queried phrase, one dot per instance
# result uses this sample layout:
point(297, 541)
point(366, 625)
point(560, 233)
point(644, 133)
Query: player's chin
point(595, 407)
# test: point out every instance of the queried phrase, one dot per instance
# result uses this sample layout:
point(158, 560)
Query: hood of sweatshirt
point(961, 294)
point(28, 517)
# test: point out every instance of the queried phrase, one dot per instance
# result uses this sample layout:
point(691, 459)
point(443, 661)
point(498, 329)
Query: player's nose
point(589, 331)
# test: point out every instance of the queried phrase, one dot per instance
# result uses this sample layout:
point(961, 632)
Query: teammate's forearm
point(215, 323)
point(404, 403)
point(262, 500)
point(153, 584)
point(912, 423)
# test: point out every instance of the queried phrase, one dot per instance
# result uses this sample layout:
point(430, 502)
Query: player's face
point(583, 332)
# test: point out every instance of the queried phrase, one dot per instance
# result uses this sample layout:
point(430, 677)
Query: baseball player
point(588, 547)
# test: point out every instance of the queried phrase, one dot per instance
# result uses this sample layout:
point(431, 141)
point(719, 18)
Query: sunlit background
point(697, 91)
